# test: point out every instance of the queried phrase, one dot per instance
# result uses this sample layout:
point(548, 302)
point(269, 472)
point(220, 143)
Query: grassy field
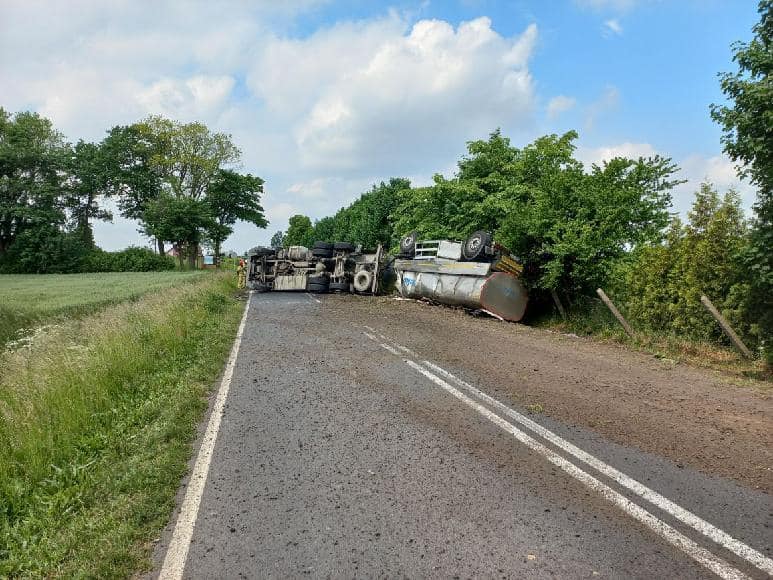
point(30, 300)
point(96, 419)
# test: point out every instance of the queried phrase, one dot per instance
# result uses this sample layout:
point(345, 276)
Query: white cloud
point(377, 96)
point(598, 155)
point(613, 26)
point(560, 104)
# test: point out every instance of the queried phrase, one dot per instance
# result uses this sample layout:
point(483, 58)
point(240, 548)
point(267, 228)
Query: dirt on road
point(694, 417)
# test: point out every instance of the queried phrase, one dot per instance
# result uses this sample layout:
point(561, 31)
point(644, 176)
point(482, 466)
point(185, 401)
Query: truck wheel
point(318, 288)
point(323, 245)
point(475, 245)
point(408, 245)
point(343, 247)
point(339, 287)
point(362, 281)
point(321, 253)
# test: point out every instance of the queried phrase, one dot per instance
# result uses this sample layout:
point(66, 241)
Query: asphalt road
point(344, 451)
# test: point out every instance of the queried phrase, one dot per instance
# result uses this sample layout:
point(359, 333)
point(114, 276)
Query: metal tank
point(442, 277)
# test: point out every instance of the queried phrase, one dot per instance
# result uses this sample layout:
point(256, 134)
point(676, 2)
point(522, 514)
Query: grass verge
point(593, 319)
point(96, 421)
point(27, 300)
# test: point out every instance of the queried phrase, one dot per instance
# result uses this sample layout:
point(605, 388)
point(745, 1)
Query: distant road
point(366, 437)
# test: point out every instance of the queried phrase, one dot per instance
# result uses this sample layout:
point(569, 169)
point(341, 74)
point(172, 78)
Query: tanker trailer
point(475, 273)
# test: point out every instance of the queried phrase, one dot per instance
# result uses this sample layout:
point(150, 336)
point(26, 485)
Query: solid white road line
point(700, 525)
point(710, 531)
point(668, 533)
point(177, 552)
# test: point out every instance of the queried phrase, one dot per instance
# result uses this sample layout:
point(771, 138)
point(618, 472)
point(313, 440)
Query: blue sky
point(325, 98)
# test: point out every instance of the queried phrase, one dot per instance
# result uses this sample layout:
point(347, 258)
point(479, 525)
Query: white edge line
point(668, 533)
point(177, 551)
point(698, 524)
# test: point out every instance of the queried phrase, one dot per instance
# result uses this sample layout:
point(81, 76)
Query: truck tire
point(343, 247)
point(261, 251)
point(342, 287)
point(408, 245)
point(474, 247)
point(318, 283)
point(322, 253)
point(363, 281)
point(323, 245)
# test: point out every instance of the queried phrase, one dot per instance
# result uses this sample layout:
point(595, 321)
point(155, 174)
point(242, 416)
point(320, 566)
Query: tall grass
point(29, 299)
point(96, 418)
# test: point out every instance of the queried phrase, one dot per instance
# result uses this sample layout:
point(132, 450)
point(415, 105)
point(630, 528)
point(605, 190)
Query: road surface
point(356, 437)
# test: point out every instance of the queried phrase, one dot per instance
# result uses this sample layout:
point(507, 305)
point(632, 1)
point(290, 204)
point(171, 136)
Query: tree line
point(176, 179)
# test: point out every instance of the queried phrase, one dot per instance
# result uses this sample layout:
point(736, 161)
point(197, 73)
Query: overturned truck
point(475, 273)
point(325, 267)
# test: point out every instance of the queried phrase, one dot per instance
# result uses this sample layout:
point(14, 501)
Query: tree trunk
point(160, 245)
point(193, 254)
point(217, 253)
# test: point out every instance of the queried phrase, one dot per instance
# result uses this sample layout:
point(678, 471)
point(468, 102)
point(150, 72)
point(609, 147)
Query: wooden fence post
point(726, 327)
point(558, 303)
point(605, 299)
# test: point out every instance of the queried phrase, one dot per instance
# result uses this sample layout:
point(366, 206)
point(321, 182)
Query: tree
point(278, 239)
point(568, 226)
point(299, 231)
point(88, 182)
point(663, 284)
point(180, 220)
point(231, 197)
point(129, 174)
point(187, 158)
point(747, 125)
point(33, 168)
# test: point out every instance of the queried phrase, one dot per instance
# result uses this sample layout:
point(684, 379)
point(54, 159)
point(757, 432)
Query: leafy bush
point(663, 284)
point(129, 260)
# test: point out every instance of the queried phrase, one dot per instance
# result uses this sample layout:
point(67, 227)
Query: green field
point(28, 300)
point(98, 412)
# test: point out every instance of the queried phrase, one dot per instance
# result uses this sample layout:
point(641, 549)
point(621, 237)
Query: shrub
point(129, 260)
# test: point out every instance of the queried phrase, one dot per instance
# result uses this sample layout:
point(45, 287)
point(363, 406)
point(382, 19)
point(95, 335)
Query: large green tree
point(127, 153)
point(34, 160)
point(182, 221)
point(233, 197)
point(568, 225)
point(300, 231)
point(87, 187)
point(747, 123)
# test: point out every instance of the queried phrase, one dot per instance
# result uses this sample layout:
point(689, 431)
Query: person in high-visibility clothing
point(241, 273)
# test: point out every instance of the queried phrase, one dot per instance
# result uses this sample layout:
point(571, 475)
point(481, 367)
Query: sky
point(326, 98)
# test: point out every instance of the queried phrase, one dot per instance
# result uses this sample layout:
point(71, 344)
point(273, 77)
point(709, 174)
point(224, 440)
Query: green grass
point(30, 300)
point(96, 420)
